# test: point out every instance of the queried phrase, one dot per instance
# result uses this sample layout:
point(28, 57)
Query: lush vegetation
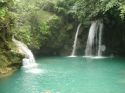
point(111, 11)
point(9, 57)
point(52, 24)
point(38, 21)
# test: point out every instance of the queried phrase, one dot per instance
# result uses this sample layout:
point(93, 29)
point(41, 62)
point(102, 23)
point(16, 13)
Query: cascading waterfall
point(75, 41)
point(29, 60)
point(94, 43)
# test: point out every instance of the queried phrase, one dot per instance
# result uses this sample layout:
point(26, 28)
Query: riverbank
point(6, 72)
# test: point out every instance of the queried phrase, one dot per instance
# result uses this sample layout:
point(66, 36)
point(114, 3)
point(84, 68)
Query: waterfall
point(100, 40)
point(75, 41)
point(94, 43)
point(29, 60)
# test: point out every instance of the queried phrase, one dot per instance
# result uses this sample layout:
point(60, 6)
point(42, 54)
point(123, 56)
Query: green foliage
point(88, 9)
point(122, 11)
point(59, 35)
point(7, 49)
point(31, 22)
point(40, 24)
point(48, 6)
point(50, 23)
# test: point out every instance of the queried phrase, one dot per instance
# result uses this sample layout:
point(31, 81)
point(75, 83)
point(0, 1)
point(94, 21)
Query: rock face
point(114, 36)
point(9, 57)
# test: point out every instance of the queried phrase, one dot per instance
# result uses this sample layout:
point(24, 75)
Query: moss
point(10, 59)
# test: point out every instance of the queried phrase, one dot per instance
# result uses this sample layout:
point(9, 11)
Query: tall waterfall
point(100, 46)
point(29, 60)
point(94, 43)
point(75, 41)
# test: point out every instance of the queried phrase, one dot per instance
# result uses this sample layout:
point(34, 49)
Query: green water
point(68, 75)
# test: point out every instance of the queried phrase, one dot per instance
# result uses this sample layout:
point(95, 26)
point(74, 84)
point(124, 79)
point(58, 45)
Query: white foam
point(72, 56)
point(95, 57)
point(34, 71)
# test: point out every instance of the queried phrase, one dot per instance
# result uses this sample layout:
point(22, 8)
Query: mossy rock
point(9, 58)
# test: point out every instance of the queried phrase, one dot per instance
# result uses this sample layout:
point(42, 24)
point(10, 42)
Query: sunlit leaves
point(122, 11)
point(2, 12)
point(110, 4)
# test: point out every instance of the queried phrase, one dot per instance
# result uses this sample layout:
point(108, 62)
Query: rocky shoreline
point(6, 72)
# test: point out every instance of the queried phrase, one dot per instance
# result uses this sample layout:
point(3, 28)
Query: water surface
point(68, 75)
